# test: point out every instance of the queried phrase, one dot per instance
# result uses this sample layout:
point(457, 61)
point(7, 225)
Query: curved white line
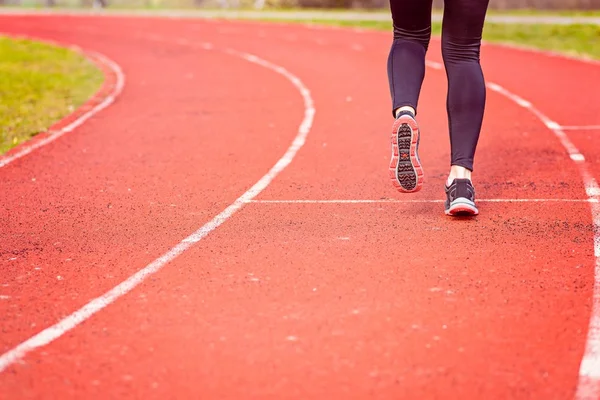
point(26, 149)
point(588, 386)
point(580, 127)
point(66, 324)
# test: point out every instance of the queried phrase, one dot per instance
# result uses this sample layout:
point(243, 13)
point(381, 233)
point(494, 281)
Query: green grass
point(552, 13)
point(39, 84)
point(577, 40)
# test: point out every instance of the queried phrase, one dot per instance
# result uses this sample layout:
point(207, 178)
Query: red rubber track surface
point(295, 301)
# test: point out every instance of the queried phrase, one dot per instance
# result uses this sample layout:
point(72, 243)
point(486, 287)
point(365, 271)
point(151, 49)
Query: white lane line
point(574, 153)
point(580, 127)
point(55, 331)
point(434, 64)
point(99, 59)
point(588, 386)
point(371, 201)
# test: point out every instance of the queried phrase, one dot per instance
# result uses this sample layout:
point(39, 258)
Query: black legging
point(461, 40)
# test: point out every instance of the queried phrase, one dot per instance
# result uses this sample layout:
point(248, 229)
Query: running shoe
point(460, 198)
point(405, 167)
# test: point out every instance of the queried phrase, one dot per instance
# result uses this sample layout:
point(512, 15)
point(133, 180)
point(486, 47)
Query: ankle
point(458, 172)
point(404, 108)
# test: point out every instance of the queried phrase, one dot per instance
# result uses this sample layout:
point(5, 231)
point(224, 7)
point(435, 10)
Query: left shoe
point(460, 198)
point(406, 171)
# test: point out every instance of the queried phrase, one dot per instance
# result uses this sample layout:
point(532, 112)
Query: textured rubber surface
point(295, 301)
point(406, 171)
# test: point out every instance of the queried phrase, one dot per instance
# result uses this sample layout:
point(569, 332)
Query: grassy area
point(551, 13)
point(578, 40)
point(39, 84)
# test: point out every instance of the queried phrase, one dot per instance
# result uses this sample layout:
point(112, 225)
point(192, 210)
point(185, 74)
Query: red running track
point(338, 300)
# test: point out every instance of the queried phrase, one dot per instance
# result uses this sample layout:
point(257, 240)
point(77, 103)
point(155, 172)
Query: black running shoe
point(406, 171)
point(460, 198)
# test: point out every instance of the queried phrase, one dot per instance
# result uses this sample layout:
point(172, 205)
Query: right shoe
point(460, 198)
point(406, 171)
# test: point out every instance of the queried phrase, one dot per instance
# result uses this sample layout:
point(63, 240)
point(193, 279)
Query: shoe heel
point(405, 169)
